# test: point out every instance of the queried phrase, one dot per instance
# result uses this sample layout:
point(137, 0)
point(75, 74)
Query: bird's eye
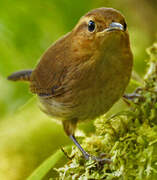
point(125, 26)
point(91, 26)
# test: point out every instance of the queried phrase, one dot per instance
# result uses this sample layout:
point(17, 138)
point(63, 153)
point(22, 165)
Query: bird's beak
point(114, 26)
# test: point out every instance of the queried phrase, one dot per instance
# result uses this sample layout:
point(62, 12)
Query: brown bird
point(85, 72)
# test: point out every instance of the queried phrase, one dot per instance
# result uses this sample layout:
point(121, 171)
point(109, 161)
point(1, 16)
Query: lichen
point(129, 138)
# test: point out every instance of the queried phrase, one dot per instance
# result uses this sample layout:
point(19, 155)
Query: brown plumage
point(85, 72)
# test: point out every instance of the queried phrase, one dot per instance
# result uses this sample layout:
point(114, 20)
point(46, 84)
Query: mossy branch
point(128, 138)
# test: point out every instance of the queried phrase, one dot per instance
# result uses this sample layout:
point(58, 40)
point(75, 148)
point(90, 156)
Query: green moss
point(128, 138)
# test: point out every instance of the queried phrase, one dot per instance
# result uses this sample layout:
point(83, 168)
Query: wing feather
point(48, 76)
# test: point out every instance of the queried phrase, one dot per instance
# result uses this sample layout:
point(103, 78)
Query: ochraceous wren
point(85, 72)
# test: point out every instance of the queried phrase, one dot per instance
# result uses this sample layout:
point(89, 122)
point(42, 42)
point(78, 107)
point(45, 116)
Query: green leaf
point(44, 168)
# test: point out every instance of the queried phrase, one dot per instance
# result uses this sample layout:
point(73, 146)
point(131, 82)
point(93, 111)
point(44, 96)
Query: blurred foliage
point(27, 28)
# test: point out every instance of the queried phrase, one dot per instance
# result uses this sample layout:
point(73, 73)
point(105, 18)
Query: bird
point(81, 75)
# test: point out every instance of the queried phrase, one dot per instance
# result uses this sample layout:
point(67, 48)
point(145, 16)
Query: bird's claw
point(98, 159)
point(133, 95)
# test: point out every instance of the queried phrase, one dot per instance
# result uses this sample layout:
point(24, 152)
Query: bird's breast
point(92, 92)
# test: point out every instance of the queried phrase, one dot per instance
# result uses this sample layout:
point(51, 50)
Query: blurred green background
point(27, 28)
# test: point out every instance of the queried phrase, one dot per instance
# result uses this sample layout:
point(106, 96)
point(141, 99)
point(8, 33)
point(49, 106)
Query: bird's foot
point(98, 159)
point(88, 156)
point(133, 95)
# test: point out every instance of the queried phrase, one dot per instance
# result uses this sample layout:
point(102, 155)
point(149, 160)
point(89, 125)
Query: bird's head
point(99, 29)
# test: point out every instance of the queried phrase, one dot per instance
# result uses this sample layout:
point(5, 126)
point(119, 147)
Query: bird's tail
point(20, 76)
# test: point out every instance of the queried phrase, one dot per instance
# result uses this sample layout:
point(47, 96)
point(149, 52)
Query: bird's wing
point(47, 78)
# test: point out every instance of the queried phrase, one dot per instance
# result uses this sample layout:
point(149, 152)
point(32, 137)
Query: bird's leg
point(69, 127)
point(86, 155)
